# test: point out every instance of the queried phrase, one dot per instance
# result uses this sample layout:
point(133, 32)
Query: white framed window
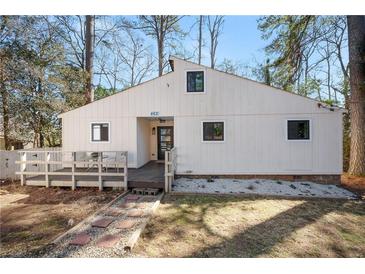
point(100, 132)
point(298, 129)
point(213, 131)
point(195, 82)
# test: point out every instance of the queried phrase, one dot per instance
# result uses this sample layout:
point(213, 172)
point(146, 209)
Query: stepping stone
point(102, 223)
point(113, 212)
point(127, 205)
point(151, 191)
point(132, 198)
point(81, 239)
point(139, 191)
point(135, 213)
point(107, 241)
point(125, 224)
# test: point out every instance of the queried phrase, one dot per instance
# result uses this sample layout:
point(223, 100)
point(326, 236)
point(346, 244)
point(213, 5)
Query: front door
point(165, 140)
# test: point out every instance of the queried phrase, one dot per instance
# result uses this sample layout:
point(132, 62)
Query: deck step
point(145, 191)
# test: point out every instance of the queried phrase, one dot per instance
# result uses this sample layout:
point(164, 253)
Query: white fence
point(7, 164)
point(170, 168)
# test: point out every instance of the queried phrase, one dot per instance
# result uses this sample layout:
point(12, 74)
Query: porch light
point(153, 131)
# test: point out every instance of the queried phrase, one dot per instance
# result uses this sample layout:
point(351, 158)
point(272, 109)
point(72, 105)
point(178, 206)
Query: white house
point(220, 124)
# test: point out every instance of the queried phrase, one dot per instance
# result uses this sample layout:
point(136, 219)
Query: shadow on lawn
point(191, 213)
point(261, 238)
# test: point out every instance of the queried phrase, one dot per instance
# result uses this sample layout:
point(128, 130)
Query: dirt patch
point(354, 183)
point(33, 216)
point(216, 226)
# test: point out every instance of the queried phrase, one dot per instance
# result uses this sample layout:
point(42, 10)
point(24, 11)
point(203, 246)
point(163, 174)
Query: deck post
point(99, 171)
point(170, 166)
point(23, 166)
point(126, 171)
point(73, 169)
point(47, 156)
point(167, 153)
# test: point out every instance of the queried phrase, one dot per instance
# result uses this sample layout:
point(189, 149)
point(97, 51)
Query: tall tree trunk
point(160, 45)
point(200, 39)
point(5, 102)
point(267, 76)
point(356, 33)
point(5, 112)
point(89, 41)
point(212, 53)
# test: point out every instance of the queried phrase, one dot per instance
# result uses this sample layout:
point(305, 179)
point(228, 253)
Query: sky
point(239, 41)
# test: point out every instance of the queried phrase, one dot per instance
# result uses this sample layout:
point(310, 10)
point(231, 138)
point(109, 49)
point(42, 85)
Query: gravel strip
point(63, 248)
point(261, 187)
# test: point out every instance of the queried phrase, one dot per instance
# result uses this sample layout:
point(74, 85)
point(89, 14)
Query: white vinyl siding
point(255, 118)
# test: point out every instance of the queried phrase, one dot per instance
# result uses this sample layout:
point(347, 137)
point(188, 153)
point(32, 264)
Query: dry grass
point(222, 226)
point(33, 216)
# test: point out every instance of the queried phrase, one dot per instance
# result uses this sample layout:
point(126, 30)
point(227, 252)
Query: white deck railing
point(170, 168)
point(77, 168)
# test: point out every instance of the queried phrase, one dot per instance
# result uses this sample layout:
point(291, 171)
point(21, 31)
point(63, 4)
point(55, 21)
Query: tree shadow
point(261, 238)
point(187, 213)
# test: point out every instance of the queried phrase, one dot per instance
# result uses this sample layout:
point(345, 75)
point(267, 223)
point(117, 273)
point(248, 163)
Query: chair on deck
point(90, 158)
point(109, 157)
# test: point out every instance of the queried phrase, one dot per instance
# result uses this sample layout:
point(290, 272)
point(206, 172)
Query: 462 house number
point(155, 113)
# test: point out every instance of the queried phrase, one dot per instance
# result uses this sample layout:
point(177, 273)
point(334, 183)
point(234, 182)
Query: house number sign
point(155, 113)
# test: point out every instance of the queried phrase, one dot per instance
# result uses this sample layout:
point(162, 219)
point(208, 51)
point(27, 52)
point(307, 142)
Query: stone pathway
point(261, 187)
point(107, 233)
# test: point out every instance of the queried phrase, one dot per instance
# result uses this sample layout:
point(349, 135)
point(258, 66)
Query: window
point(298, 130)
point(100, 132)
point(213, 131)
point(195, 81)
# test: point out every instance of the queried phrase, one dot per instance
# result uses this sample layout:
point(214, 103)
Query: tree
point(307, 49)
point(37, 79)
point(215, 27)
point(4, 59)
point(125, 60)
point(290, 36)
point(200, 38)
point(356, 34)
point(89, 53)
point(163, 28)
point(82, 36)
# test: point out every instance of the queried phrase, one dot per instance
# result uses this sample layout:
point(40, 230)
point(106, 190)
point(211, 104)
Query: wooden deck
point(151, 175)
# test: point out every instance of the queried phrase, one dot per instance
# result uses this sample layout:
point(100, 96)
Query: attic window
point(298, 130)
point(195, 81)
point(100, 132)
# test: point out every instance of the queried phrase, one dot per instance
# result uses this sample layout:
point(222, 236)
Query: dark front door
point(165, 140)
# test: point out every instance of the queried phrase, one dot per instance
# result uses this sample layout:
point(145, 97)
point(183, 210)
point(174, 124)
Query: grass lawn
point(31, 217)
point(222, 226)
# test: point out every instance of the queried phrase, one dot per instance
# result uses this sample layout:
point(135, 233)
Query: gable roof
point(172, 66)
